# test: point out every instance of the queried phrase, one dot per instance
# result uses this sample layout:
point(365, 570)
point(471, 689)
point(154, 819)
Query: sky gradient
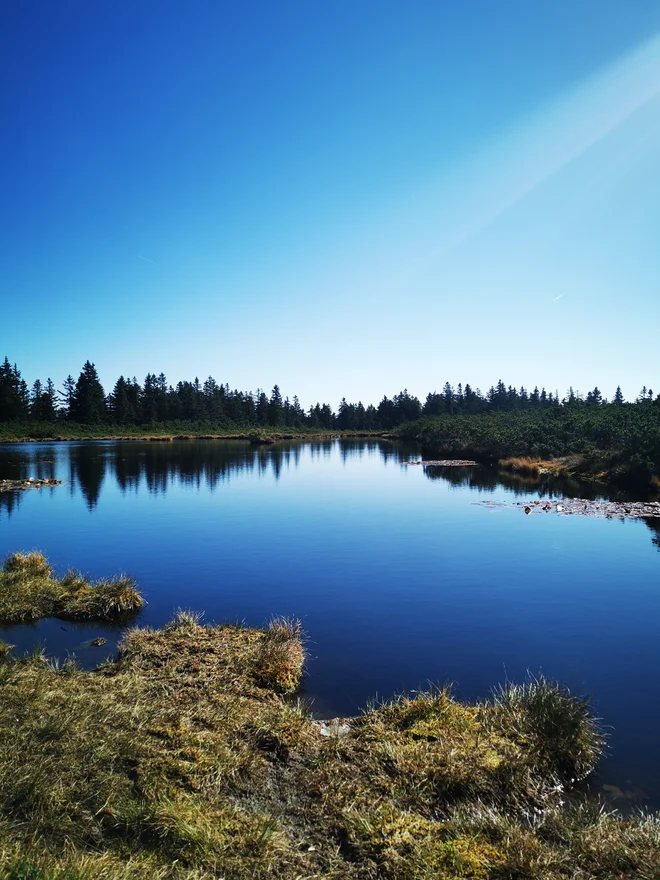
point(343, 198)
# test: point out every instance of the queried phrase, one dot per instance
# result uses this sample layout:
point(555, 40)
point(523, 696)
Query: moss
point(406, 846)
point(29, 590)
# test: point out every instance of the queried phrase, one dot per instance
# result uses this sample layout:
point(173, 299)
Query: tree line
point(84, 401)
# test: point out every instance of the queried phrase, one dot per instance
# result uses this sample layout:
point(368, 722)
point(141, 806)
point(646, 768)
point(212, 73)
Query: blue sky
point(345, 198)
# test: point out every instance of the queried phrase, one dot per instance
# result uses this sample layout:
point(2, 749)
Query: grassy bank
point(24, 432)
point(185, 759)
point(617, 444)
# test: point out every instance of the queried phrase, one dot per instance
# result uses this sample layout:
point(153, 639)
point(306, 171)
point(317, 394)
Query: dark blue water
point(400, 579)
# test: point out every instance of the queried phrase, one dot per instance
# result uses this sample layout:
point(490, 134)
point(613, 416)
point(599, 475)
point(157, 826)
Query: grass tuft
point(184, 619)
point(29, 590)
point(33, 564)
point(281, 655)
point(558, 726)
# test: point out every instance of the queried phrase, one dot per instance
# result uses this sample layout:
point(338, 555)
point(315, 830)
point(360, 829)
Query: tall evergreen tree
point(261, 408)
point(68, 395)
point(89, 398)
point(122, 405)
point(14, 397)
point(275, 407)
point(43, 402)
point(50, 401)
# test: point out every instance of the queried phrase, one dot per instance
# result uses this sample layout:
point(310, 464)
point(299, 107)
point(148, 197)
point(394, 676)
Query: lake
point(400, 575)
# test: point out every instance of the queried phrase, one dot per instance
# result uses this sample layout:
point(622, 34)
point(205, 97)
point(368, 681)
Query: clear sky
point(345, 197)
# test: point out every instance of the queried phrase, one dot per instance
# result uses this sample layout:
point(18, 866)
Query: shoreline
point(250, 436)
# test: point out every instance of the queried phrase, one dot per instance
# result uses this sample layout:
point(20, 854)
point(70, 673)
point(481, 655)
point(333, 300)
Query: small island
point(28, 483)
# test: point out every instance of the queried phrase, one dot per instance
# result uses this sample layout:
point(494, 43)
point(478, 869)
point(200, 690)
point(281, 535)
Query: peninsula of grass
point(186, 758)
point(29, 591)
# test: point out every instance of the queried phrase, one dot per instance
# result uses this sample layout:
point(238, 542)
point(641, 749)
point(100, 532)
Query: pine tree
point(14, 396)
point(275, 407)
point(121, 405)
point(68, 396)
point(261, 408)
point(50, 401)
point(448, 394)
point(149, 399)
point(89, 398)
point(35, 399)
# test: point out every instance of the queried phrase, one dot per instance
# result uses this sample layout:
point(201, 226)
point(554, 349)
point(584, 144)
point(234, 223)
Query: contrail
point(147, 260)
point(558, 297)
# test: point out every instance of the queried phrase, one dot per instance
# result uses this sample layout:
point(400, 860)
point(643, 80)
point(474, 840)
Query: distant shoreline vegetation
point(585, 436)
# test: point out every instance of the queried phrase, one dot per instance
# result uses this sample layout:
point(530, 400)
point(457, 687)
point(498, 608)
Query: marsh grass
point(183, 759)
point(556, 725)
point(281, 655)
point(521, 465)
point(29, 590)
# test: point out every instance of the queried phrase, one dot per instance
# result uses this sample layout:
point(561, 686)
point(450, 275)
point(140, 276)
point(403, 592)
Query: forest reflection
point(156, 466)
point(209, 464)
point(490, 479)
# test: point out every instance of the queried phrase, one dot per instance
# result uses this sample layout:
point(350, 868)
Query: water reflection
point(654, 526)
point(18, 464)
point(9, 502)
point(490, 479)
point(86, 466)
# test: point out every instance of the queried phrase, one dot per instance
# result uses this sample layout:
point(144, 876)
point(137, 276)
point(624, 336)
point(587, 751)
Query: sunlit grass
point(521, 465)
point(184, 759)
point(29, 590)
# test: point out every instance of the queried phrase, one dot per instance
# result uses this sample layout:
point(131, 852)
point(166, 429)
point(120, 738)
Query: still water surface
point(399, 577)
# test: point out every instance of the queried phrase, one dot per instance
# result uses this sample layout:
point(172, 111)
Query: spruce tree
point(68, 395)
point(14, 397)
point(89, 398)
point(275, 407)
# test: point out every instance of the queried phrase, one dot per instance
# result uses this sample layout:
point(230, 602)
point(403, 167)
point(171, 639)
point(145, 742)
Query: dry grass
point(522, 465)
point(184, 760)
point(29, 590)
